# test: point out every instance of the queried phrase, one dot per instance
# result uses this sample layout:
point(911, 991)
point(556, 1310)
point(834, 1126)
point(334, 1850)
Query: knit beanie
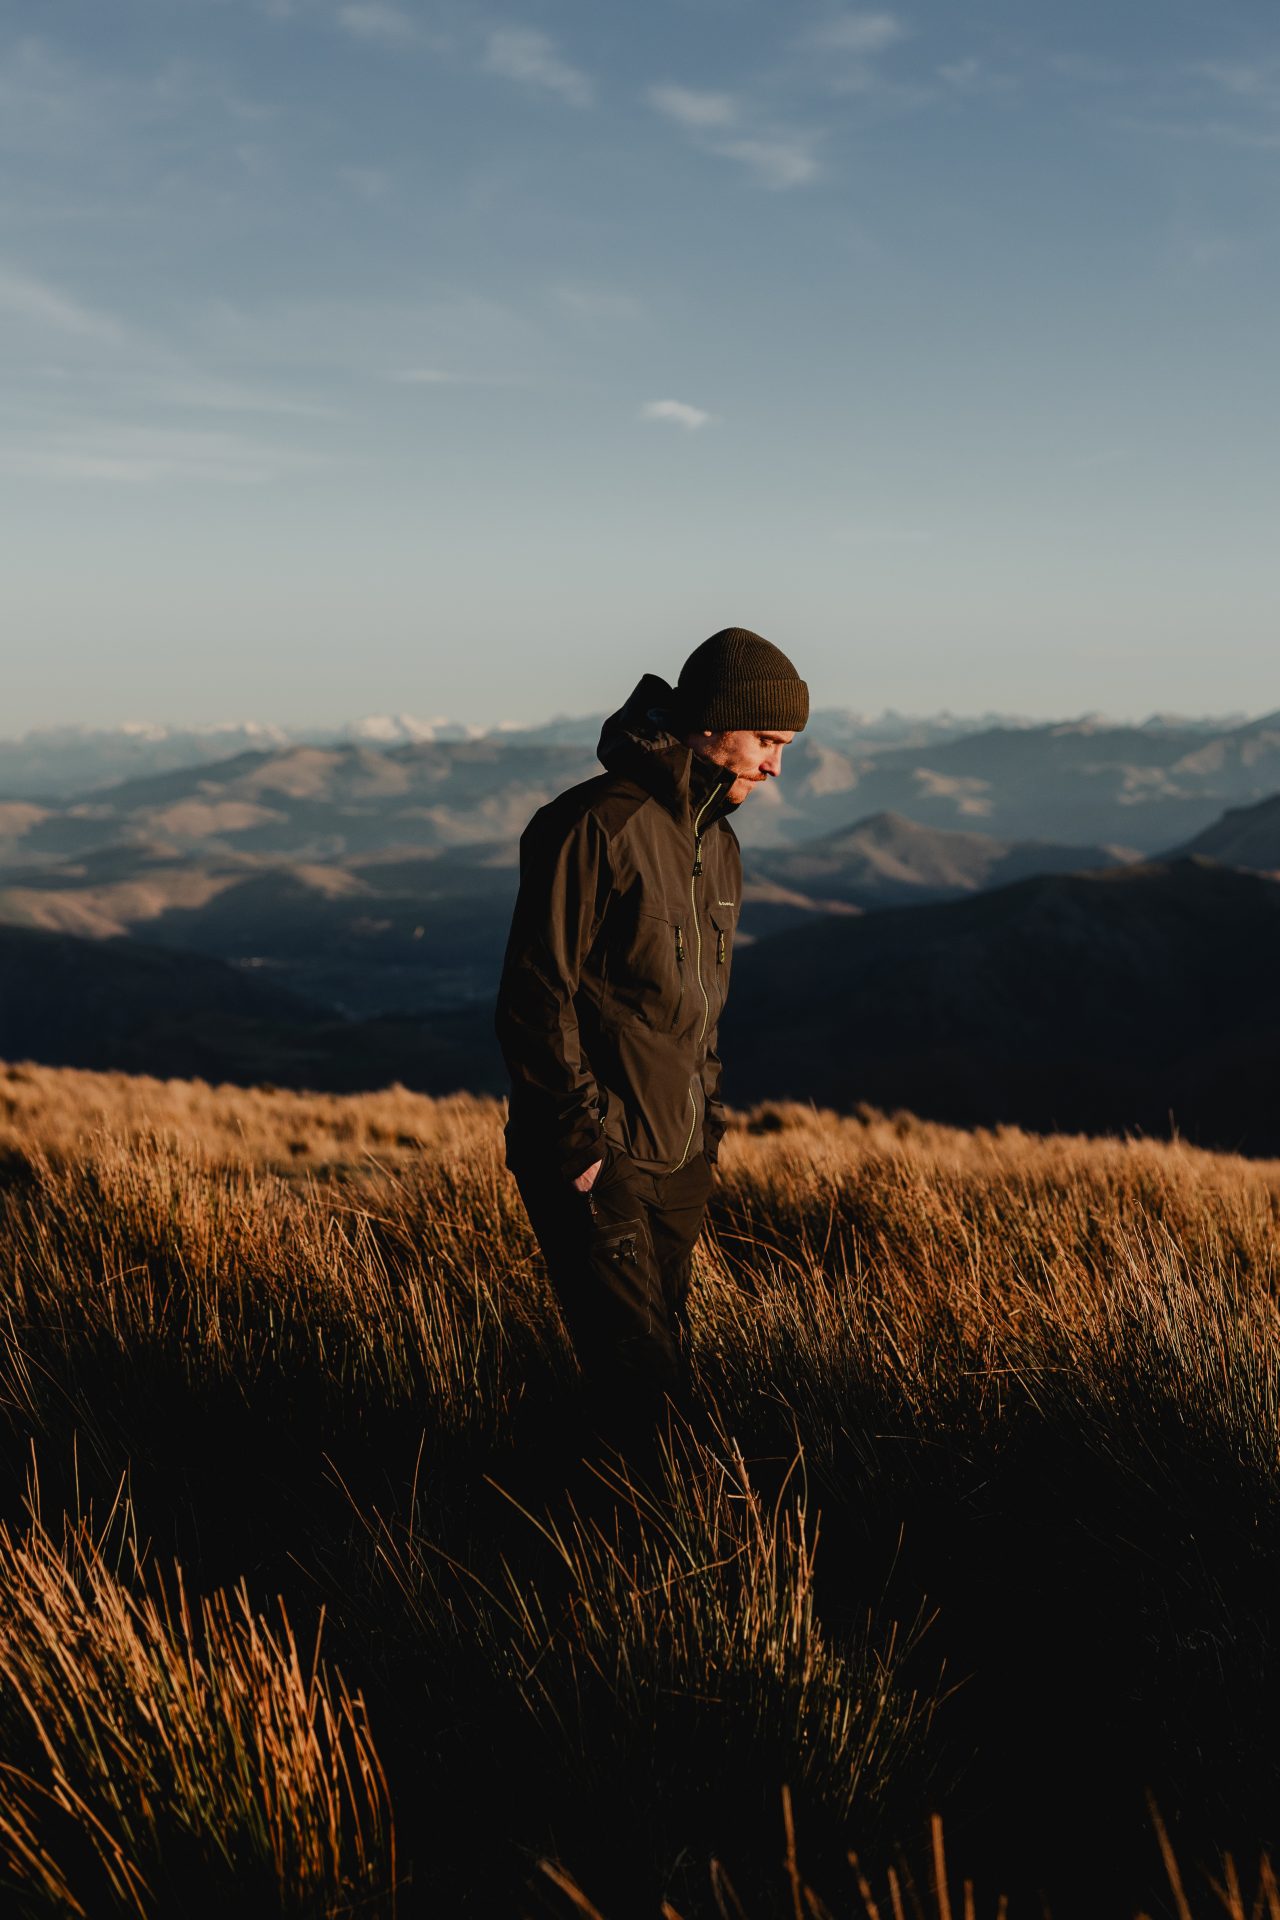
point(736, 679)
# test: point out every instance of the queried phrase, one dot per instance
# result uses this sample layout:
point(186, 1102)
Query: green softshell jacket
point(618, 961)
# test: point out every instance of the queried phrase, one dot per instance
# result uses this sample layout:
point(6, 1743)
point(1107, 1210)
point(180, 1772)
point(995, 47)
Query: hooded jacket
point(618, 962)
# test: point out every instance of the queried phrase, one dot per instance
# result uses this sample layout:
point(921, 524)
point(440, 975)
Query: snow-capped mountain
point(53, 763)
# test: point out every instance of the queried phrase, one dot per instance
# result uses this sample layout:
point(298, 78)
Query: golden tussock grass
point(977, 1513)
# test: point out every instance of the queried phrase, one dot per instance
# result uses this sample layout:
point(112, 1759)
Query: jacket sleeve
point(565, 881)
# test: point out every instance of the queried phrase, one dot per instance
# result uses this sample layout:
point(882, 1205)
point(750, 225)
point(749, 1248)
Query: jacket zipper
point(697, 935)
point(697, 925)
point(679, 932)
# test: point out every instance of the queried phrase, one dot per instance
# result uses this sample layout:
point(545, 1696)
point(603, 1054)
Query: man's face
point(754, 757)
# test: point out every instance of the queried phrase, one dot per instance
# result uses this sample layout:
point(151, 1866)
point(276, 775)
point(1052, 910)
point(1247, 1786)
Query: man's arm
point(564, 886)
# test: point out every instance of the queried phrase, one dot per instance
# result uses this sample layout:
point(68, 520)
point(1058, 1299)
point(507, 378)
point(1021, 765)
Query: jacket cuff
point(577, 1159)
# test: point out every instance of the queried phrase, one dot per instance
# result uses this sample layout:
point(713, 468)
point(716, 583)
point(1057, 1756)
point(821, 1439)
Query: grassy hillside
point(309, 1605)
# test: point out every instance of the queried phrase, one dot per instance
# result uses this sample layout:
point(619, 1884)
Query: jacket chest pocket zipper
point(678, 930)
point(719, 949)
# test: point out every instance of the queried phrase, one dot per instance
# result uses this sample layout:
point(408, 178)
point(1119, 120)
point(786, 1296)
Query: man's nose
point(772, 762)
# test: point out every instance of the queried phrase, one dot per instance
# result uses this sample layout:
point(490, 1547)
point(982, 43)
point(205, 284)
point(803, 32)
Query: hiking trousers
point(619, 1260)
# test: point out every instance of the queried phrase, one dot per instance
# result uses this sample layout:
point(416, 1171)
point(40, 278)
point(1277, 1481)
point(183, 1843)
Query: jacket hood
point(639, 743)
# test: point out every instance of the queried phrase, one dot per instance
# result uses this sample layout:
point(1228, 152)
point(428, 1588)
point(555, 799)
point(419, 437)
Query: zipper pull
point(719, 949)
point(679, 946)
point(697, 856)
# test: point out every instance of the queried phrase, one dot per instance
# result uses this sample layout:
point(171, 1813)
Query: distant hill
point(1091, 1002)
point(1243, 837)
point(120, 1005)
point(1074, 782)
point(314, 804)
point(1086, 781)
point(407, 935)
point(419, 933)
point(889, 860)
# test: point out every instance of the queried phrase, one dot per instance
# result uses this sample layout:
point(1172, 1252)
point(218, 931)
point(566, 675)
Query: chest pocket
point(723, 917)
point(647, 982)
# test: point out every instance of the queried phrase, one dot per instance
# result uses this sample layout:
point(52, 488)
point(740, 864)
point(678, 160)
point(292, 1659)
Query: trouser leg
point(618, 1260)
point(675, 1224)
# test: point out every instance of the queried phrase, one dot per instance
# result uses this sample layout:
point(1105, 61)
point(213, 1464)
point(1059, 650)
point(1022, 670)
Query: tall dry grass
point(978, 1513)
point(166, 1755)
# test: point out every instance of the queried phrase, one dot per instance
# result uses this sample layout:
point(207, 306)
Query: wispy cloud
point(689, 107)
point(677, 412)
point(112, 454)
point(777, 160)
point(778, 157)
point(24, 297)
point(91, 398)
point(529, 57)
point(860, 34)
point(849, 44)
point(378, 23)
point(1256, 81)
point(1233, 103)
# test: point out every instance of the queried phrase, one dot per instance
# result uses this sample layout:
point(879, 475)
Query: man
point(615, 975)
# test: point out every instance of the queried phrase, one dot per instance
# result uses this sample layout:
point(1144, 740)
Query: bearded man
point(615, 976)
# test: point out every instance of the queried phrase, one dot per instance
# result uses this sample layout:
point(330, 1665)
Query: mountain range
point(57, 763)
point(333, 913)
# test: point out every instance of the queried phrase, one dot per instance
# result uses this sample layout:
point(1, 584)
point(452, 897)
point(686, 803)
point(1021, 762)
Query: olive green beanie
point(736, 679)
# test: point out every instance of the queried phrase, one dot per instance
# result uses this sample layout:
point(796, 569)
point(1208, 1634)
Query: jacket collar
point(638, 742)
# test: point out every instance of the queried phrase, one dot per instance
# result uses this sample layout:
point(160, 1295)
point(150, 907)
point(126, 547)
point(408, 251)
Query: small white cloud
point(529, 57)
point(678, 412)
point(692, 108)
point(377, 22)
point(778, 161)
point(860, 34)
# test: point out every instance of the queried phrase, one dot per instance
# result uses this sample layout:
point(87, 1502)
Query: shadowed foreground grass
point(310, 1604)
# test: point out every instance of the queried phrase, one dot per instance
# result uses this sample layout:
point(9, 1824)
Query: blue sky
point(387, 356)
